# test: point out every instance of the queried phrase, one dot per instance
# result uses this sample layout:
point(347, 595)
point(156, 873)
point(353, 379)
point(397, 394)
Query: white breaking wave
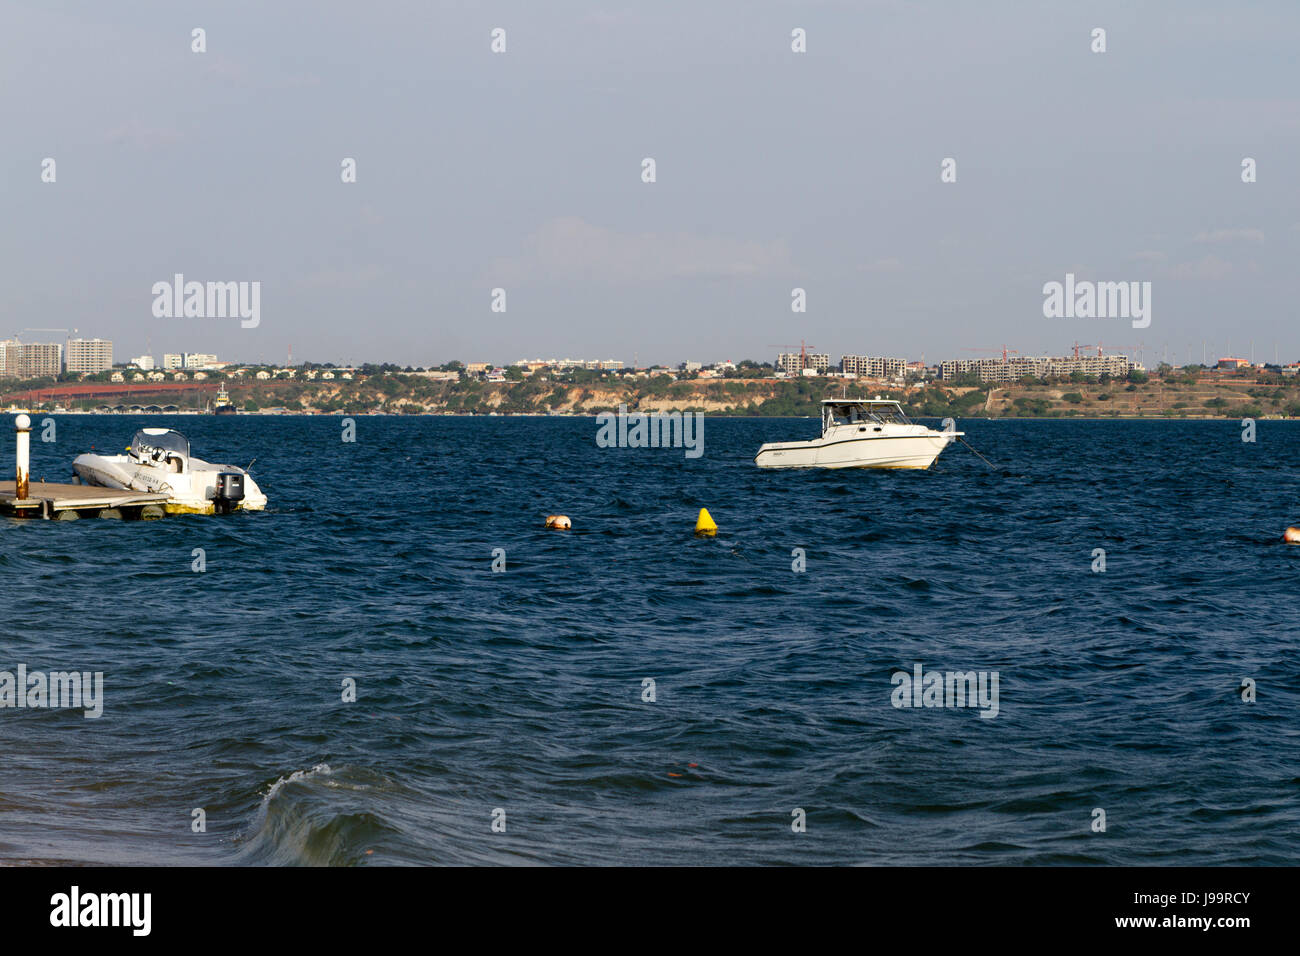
point(323, 769)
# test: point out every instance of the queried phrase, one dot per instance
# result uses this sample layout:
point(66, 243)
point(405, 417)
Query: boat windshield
point(889, 414)
point(158, 443)
point(852, 413)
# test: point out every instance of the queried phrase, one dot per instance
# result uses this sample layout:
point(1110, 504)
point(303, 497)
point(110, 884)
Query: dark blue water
point(522, 690)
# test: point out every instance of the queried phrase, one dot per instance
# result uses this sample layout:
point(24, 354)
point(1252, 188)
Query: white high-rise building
point(144, 362)
point(88, 355)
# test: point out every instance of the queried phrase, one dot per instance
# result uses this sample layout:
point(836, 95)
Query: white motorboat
point(159, 460)
point(861, 433)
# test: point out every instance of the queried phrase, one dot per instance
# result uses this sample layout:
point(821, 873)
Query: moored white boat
point(860, 433)
point(159, 460)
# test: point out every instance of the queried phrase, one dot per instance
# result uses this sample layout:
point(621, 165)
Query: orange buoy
point(559, 522)
point(1291, 535)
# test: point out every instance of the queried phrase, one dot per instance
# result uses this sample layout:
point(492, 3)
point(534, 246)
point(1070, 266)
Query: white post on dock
point(22, 451)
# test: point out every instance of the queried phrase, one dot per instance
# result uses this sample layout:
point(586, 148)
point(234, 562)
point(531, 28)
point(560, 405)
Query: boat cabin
point(864, 411)
point(161, 447)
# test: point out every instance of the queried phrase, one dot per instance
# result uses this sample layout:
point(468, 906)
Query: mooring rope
point(977, 454)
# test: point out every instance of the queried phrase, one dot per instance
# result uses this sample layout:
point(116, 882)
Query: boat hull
point(913, 451)
point(190, 492)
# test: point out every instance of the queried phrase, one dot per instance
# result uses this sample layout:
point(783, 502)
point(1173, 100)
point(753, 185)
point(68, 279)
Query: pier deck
point(51, 500)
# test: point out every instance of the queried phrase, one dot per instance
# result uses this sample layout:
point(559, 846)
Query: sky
point(774, 170)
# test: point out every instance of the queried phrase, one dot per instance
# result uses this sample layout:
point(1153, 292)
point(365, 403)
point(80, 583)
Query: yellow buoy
point(558, 522)
point(705, 524)
point(1291, 536)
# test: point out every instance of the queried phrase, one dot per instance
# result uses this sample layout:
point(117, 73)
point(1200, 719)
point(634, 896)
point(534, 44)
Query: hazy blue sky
point(523, 170)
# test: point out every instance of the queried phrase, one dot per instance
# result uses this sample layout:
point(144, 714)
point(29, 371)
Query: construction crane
point(1077, 346)
point(65, 331)
point(803, 352)
point(1004, 350)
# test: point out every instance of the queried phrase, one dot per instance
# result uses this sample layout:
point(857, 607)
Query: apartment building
point(88, 355)
point(1015, 368)
point(198, 360)
point(793, 362)
point(30, 359)
point(873, 366)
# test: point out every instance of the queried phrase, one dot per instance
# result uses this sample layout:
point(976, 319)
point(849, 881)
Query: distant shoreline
point(1175, 397)
point(713, 415)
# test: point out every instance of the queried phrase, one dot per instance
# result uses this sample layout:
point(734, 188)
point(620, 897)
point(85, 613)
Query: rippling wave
point(518, 696)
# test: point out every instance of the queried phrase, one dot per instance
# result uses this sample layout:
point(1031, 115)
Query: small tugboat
point(159, 461)
point(223, 405)
point(860, 433)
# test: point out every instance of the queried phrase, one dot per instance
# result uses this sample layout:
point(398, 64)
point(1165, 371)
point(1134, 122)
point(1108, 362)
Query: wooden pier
point(59, 502)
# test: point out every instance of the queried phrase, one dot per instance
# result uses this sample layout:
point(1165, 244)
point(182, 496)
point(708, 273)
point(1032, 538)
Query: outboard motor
point(229, 492)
